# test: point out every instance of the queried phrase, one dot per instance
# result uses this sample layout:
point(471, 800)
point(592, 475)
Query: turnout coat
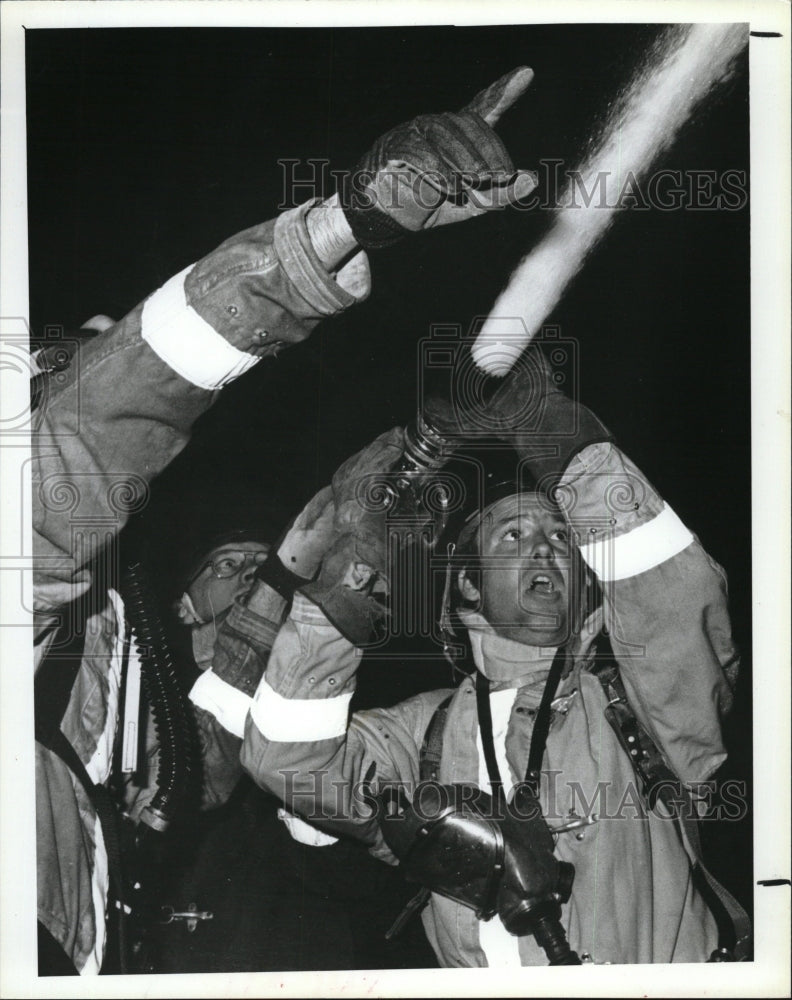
point(664, 604)
point(122, 413)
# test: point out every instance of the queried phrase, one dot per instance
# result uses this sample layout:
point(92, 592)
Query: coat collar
point(509, 664)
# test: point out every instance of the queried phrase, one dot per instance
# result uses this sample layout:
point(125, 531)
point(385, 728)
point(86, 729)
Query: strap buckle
point(191, 916)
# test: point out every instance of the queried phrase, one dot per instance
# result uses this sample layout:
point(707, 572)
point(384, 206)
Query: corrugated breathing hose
point(168, 703)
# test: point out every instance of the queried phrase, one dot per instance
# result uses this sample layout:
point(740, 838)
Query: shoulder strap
point(432, 749)
point(646, 759)
point(541, 727)
point(539, 735)
point(658, 781)
point(487, 739)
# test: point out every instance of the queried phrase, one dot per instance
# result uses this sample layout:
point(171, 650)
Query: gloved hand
point(309, 536)
point(527, 410)
point(437, 169)
point(544, 426)
point(498, 407)
point(359, 498)
point(298, 555)
point(354, 568)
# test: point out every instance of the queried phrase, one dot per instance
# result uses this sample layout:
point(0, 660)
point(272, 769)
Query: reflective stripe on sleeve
point(186, 342)
point(298, 720)
point(638, 550)
point(226, 703)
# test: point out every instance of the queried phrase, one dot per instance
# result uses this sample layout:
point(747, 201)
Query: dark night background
point(146, 148)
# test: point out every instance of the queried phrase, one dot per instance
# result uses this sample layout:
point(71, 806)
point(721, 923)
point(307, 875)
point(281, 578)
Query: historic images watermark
point(558, 186)
point(320, 798)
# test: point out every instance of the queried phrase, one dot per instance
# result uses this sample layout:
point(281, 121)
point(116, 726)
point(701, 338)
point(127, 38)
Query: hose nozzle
point(425, 448)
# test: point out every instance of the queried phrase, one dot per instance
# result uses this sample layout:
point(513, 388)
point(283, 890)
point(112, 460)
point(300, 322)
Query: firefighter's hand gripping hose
point(527, 411)
point(378, 505)
point(353, 571)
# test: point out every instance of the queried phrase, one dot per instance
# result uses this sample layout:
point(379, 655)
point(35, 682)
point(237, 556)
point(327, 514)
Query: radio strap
point(487, 741)
point(735, 936)
point(541, 727)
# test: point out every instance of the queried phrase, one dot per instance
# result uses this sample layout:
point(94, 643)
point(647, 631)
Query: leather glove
point(354, 569)
point(309, 536)
point(299, 554)
point(437, 169)
point(528, 411)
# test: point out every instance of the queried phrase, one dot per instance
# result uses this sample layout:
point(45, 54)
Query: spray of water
point(686, 65)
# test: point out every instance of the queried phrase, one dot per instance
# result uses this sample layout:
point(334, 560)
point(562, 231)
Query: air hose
point(168, 704)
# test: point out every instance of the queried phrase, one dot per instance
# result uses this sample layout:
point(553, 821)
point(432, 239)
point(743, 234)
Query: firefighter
point(566, 772)
point(127, 407)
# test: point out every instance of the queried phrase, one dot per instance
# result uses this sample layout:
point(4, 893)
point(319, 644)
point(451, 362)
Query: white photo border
point(768, 975)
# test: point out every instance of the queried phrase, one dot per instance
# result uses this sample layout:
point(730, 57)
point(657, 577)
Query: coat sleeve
point(301, 745)
point(126, 409)
point(222, 695)
point(665, 603)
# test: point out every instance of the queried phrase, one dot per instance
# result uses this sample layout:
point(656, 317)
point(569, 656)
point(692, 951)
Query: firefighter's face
point(523, 580)
point(226, 575)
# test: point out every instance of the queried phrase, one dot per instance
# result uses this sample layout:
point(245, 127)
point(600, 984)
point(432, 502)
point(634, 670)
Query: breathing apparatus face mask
point(493, 857)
